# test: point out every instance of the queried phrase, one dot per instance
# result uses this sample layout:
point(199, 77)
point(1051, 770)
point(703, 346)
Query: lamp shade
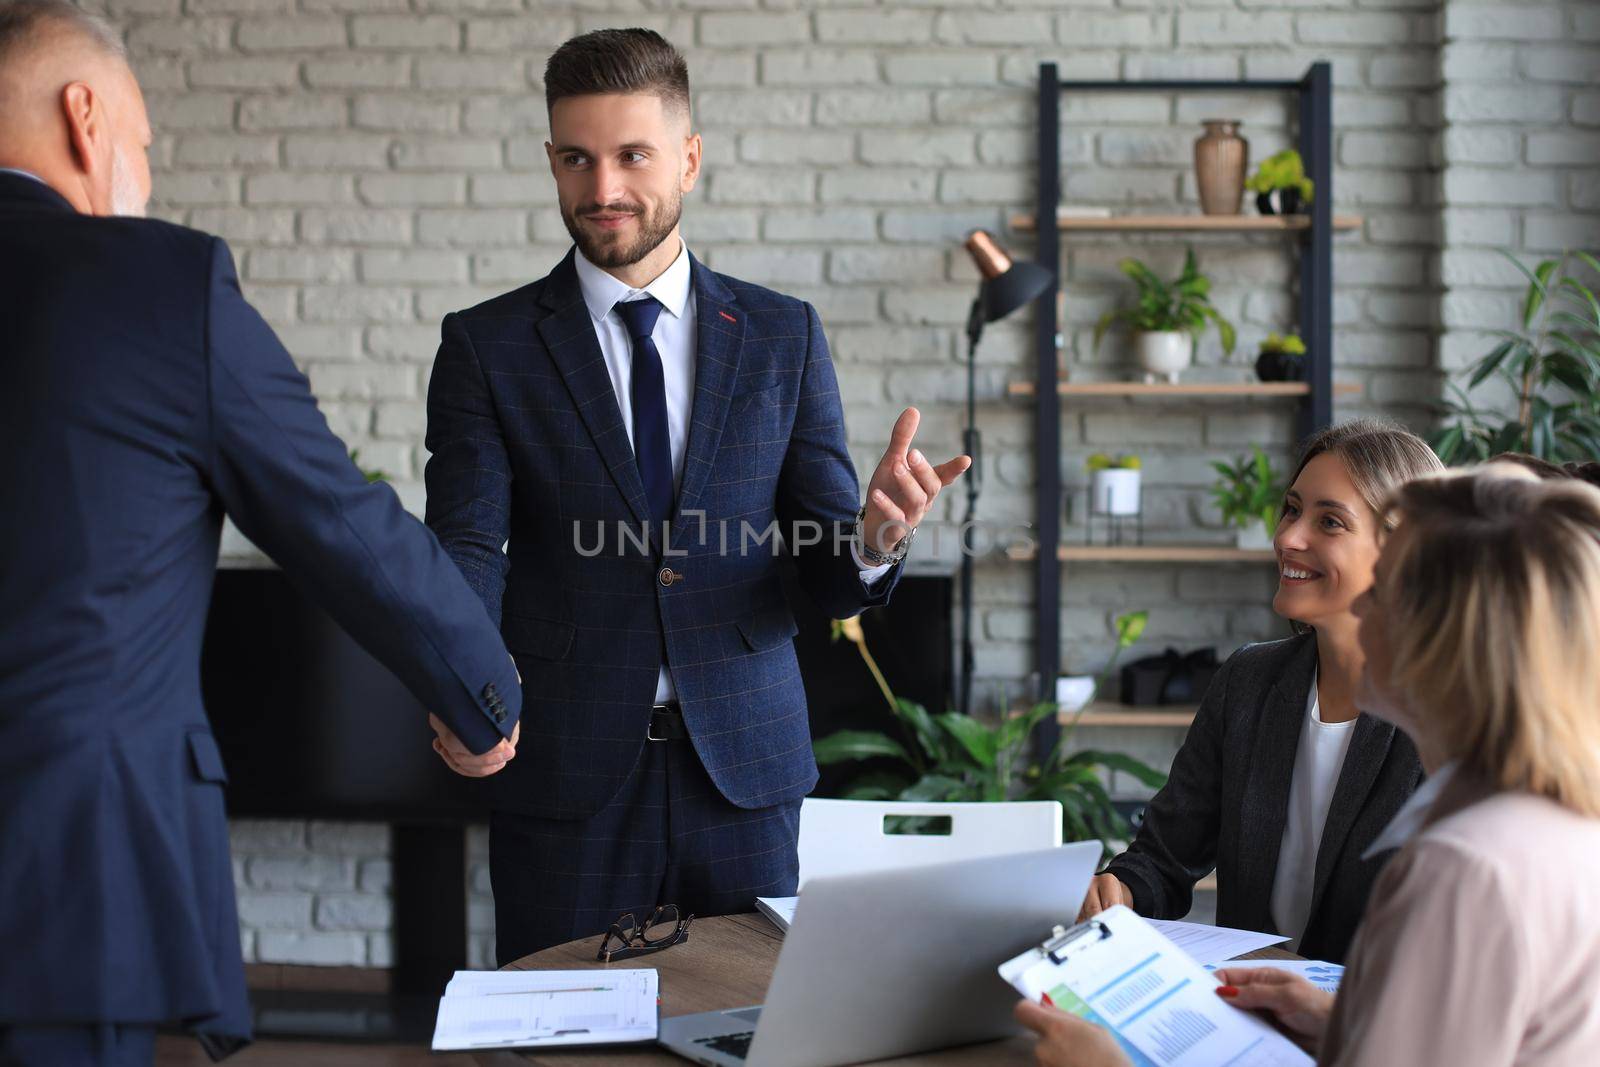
point(1007, 284)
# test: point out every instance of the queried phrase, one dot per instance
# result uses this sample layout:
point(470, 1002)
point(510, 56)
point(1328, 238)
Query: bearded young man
point(613, 447)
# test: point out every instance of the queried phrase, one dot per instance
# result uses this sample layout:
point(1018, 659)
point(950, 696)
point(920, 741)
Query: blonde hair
point(1492, 595)
point(1378, 456)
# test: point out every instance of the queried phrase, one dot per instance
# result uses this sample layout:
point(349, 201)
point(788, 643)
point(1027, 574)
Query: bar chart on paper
point(1163, 1008)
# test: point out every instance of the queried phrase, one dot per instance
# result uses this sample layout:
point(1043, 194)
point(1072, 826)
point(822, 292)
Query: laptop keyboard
point(735, 1045)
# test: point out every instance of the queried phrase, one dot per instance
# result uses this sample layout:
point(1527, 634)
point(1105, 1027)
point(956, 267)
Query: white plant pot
point(1115, 491)
point(1073, 691)
point(1255, 537)
point(1163, 352)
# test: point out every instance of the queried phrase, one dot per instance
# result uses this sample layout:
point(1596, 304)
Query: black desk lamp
point(1006, 286)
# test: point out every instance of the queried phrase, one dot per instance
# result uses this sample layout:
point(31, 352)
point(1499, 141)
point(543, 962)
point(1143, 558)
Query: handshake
point(463, 762)
point(458, 758)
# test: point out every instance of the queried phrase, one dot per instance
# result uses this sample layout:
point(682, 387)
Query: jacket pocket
point(527, 635)
point(767, 628)
point(206, 757)
point(769, 394)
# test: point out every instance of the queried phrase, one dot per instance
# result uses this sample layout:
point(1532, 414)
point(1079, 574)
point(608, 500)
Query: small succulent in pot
point(1282, 173)
point(1281, 358)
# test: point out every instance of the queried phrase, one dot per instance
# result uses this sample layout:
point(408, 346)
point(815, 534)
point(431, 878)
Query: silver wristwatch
point(871, 554)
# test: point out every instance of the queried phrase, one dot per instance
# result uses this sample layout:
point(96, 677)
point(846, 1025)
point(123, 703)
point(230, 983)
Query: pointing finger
point(905, 428)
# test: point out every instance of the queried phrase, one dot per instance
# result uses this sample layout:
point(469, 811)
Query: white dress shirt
point(676, 341)
point(1317, 763)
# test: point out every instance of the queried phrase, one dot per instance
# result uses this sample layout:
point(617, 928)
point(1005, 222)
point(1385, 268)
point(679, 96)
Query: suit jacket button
point(490, 693)
point(667, 576)
point(499, 715)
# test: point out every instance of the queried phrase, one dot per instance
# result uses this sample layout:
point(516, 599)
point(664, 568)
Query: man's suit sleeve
point(818, 485)
point(1176, 845)
point(288, 483)
point(468, 473)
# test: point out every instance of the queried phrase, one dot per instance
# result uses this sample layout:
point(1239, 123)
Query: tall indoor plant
point(955, 757)
point(1549, 366)
point(1168, 317)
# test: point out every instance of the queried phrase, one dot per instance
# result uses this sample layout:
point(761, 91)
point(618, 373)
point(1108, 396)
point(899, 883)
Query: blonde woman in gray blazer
point(1481, 944)
point(1282, 784)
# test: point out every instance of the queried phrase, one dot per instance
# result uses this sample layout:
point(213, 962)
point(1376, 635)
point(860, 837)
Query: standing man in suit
point(634, 428)
point(140, 399)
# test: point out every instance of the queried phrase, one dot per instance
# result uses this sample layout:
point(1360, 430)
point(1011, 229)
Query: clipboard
point(1119, 972)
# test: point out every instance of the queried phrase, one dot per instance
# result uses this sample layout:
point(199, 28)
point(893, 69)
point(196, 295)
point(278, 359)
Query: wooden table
point(727, 963)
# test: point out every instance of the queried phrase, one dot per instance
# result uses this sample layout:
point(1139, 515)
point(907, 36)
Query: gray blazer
point(1226, 801)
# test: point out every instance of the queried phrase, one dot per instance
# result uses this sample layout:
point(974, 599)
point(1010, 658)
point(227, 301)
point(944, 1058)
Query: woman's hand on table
point(1068, 1041)
point(1299, 1007)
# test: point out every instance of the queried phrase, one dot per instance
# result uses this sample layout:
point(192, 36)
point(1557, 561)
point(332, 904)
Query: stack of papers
point(778, 909)
point(1213, 944)
point(512, 1009)
point(1325, 976)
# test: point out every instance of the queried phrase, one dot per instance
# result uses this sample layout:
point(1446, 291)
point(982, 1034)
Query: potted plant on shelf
point(1167, 318)
point(1549, 368)
point(1281, 358)
point(1114, 484)
point(1249, 493)
point(955, 757)
point(1283, 173)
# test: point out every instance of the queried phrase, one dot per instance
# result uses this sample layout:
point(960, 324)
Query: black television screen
point(311, 726)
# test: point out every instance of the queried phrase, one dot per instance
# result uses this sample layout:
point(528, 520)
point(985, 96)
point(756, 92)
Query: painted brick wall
point(378, 163)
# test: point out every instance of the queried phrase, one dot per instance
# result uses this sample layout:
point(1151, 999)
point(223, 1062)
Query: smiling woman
point(1282, 782)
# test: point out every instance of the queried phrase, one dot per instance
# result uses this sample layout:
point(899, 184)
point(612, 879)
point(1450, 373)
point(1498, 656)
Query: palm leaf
point(857, 745)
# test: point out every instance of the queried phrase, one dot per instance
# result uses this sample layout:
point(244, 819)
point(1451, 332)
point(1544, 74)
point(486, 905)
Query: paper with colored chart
point(1325, 976)
point(1118, 972)
point(518, 1009)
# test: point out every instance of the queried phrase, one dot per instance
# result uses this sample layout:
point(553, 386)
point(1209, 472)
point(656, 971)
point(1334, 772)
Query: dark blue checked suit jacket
point(529, 447)
point(140, 398)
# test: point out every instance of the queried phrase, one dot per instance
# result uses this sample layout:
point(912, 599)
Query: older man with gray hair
point(141, 398)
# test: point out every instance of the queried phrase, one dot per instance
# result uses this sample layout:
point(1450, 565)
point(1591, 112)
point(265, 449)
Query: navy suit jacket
point(529, 447)
point(140, 399)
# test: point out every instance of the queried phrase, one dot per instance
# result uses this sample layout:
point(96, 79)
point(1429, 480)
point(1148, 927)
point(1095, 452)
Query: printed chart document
point(1213, 944)
point(515, 1009)
point(1325, 976)
point(1117, 972)
point(779, 909)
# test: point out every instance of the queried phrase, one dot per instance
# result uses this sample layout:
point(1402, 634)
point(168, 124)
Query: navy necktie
point(652, 449)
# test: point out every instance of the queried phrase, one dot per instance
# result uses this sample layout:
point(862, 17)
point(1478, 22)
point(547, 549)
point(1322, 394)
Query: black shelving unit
point(1315, 244)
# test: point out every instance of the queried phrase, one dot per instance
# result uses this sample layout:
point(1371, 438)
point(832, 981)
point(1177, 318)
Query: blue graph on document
point(1130, 993)
point(1179, 1031)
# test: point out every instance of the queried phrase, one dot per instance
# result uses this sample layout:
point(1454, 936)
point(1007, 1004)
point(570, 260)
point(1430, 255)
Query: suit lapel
point(568, 334)
point(1363, 760)
point(1266, 796)
point(719, 340)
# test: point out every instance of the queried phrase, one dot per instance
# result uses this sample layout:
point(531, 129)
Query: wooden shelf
point(1165, 389)
point(1149, 554)
point(1025, 223)
point(1109, 713)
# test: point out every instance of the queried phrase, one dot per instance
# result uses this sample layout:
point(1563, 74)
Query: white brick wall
point(378, 163)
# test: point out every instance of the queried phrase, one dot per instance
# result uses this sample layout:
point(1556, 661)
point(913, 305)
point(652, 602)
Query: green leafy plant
point(1287, 345)
point(1248, 490)
point(372, 475)
point(1550, 365)
point(955, 757)
point(1282, 170)
point(1103, 461)
point(1183, 305)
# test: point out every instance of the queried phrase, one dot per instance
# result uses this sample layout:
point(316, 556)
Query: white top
point(675, 339)
point(1317, 762)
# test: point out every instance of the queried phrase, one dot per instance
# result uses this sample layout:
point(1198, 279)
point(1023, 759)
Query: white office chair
point(847, 836)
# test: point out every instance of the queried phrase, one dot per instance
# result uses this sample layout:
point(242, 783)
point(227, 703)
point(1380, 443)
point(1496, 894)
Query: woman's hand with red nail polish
point(1299, 1008)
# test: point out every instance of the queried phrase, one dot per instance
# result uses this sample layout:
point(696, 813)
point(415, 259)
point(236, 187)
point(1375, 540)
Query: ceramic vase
point(1221, 158)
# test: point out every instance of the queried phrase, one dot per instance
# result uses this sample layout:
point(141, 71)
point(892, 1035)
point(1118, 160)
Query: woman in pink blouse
point(1481, 942)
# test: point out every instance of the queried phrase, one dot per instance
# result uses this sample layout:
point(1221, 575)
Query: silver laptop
point(895, 962)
